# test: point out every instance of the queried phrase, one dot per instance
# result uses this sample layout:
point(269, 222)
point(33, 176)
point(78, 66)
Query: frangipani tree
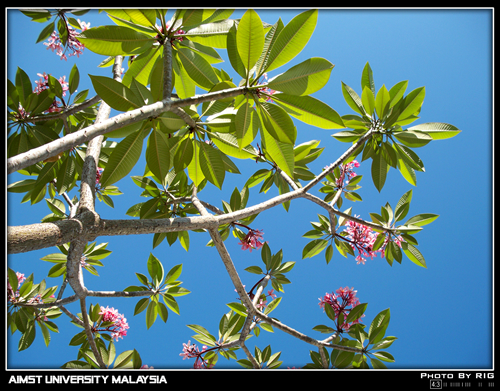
point(191, 141)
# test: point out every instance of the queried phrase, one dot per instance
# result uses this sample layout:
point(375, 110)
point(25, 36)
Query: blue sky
point(442, 315)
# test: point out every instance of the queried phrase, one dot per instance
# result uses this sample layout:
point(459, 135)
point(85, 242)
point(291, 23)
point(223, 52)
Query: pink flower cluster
point(347, 172)
point(11, 295)
point(72, 43)
point(98, 175)
point(339, 301)
point(190, 350)
point(362, 238)
point(251, 240)
point(263, 300)
point(119, 327)
point(43, 84)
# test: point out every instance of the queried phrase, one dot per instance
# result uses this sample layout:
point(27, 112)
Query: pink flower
point(251, 240)
point(98, 175)
point(361, 238)
point(72, 43)
point(119, 327)
point(11, 295)
point(339, 301)
point(191, 351)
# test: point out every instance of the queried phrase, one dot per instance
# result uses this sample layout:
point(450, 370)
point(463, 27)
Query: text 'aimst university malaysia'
point(87, 379)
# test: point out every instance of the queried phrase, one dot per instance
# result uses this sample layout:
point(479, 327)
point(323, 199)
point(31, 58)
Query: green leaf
point(115, 94)
point(212, 165)
point(228, 144)
point(245, 122)
point(123, 158)
point(412, 102)
point(23, 86)
point(414, 255)
point(151, 314)
point(238, 308)
point(155, 269)
point(437, 130)
point(198, 69)
point(379, 171)
point(277, 122)
point(141, 68)
point(233, 54)
point(281, 153)
point(367, 79)
point(123, 359)
point(183, 154)
point(115, 40)
point(378, 326)
point(422, 219)
point(352, 99)
point(397, 92)
point(356, 312)
point(413, 139)
point(382, 102)
point(28, 336)
point(292, 39)
point(141, 305)
point(310, 110)
point(250, 39)
point(303, 79)
point(368, 101)
point(158, 155)
point(313, 248)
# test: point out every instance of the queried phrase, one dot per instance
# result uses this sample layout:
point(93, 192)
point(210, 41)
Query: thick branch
point(69, 141)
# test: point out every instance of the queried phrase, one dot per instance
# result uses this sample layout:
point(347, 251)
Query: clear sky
point(442, 315)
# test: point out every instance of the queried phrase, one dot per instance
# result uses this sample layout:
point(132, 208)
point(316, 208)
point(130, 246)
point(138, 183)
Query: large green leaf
point(115, 40)
point(352, 99)
point(292, 39)
point(212, 34)
point(412, 102)
point(141, 67)
point(368, 100)
point(414, 255)
point(212, 165)
point(245, 124)
point(382, 101)
point(184, 85)
point(367, 79)
point(115, 94)
point(437, 130)
point(228, 144)
point(250, 39)
point(233, 54)
point(379, 171)
point(194, 168)
point(198, 69)
point(303, 79)
point(277, 122)
point(183, 154)
point(158, 155)
point(310, 110)
point(281, 153)
point(123, 158)
point(422, 219)
point(413, 138)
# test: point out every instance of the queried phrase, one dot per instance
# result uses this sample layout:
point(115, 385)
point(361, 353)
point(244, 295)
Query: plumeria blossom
point(340, 301)
point(98, 175)
point(251, 240)
point(362, 238)
point(11, 295)
point(74, 46)
point(190, 350)
point(266, 90)
point(119, 327)
point(43, 84)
